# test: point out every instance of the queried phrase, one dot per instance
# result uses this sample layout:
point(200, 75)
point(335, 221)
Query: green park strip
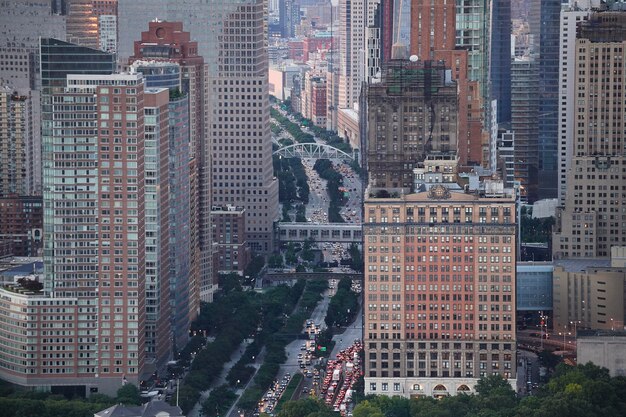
point(289, 391)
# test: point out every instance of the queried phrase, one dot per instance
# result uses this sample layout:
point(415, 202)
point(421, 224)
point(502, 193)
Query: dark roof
point(600, 333)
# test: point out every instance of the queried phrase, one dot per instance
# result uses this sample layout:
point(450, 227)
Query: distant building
point(229, 236)
point(572, 13)
point(412, 112)
point(524, 115)
point(590, 292)
point(20, 150)
point(591, 221)
point(534, 286)
point(82, 23)
point(21, 227)
point(107, 32)
point(505, 151)
point(603, 348)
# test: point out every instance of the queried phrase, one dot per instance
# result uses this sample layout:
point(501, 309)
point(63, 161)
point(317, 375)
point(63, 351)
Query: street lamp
point(612, 325)
point(575, 323)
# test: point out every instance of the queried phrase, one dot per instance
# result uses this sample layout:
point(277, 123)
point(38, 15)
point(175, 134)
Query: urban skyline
point(439, 166)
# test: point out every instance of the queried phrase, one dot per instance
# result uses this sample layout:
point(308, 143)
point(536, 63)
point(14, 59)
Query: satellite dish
point(413, 58)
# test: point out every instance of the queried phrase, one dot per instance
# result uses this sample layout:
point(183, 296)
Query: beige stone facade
point(590, 293)
point(594, 217)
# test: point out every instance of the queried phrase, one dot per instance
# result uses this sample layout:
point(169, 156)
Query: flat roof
point(580, 265)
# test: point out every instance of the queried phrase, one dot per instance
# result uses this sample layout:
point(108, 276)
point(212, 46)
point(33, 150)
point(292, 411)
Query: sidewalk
point(256, 364)
point(195, 411)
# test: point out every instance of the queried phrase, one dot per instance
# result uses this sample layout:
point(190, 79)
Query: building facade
point(229, 235)
point(590, 292)
point(590, 223)
point(571, 15)
point(412, 112)
point(22, 225)
point(82, 23)
point(20, 162)
point(439, 292)
point(94, 225)
point(524, 114)
point(534, 286)
point(157, 226)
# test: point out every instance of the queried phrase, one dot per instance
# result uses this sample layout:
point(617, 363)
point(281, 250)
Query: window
point(373, 386)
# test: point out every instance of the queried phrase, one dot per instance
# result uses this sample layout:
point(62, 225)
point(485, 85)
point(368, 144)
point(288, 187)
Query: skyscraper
point(548, 58)
point(524, 114)
point(352, 22)
point(157, 226)
point(238, 125)
point(571, 15)
point(237, 136)
point(20, 166)
point(590, 223)
point(412, 112)
point(94, 245)
point(170, 59)
point(500, 58)
point(182, 226)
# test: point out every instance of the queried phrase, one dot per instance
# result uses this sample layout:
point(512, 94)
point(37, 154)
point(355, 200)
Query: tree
point(367, 409)
point(229, 282)
point(128, 394)
point(307, 407)
point(255, 266)
point(275, 261)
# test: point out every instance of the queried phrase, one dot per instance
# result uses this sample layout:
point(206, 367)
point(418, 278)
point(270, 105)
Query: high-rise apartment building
point(237, 107)
point(182, 225)
point(439, 292)
point(169, 58)
point(168, 42)
point(571, 15)
point(94, 239)
point(157, 225)
point(412, 112)
point(591, 221)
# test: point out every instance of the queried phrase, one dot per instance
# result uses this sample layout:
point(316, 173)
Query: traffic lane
point(346, 339)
